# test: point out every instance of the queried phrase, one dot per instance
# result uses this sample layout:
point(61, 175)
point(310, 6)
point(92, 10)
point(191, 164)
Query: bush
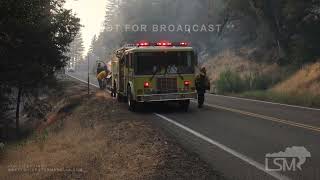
point(257, 82)
point(229, 82)
point(232, 82)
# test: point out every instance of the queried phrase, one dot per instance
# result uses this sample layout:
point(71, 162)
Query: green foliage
point(257, 82)
point(34, 38)
point(292, 26)
point(37, 34)
point(256, 86)
point(229, 82)
point(232, 82)
point(286, 29)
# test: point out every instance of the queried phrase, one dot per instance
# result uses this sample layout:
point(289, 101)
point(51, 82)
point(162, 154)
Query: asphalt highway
point(235, 135)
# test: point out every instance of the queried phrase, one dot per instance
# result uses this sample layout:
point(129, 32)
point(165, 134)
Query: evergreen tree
point(286, 29)
point(35, 35)
point(110, 12)
point(76, 50)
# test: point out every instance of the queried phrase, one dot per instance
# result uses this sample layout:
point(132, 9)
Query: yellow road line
point(300, 125)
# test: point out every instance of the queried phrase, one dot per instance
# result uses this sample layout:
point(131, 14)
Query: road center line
point(282, 121)
point(300, 125)
point(266, 102)
point(225, 148)
point(219, 145)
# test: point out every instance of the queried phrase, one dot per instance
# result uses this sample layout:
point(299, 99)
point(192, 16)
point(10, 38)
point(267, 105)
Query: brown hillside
point(306, 80)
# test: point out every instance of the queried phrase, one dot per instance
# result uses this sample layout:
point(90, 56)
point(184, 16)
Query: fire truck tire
point(131, 103)
point(119, 97)
point(185, 105)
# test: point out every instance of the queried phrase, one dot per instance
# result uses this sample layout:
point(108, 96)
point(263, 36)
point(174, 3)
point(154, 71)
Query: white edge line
point(267, 102)
point(225, 148)
point(82, 80)
point(86, 82)
point(215, 143)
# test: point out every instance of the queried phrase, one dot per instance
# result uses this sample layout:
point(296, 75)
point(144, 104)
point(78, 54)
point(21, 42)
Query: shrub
point(232, 82)
point(257, 82)
point(229, 82)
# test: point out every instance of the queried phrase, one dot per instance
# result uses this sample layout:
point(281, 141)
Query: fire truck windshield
point(149, 63)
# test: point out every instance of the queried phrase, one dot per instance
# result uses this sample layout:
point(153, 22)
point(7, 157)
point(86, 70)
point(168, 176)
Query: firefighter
point(101, 76)
point(99, 68)
point(202, 84)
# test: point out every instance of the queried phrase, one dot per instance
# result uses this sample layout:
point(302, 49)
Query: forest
point(286, 29)
point(34, 41)
point(38, 38)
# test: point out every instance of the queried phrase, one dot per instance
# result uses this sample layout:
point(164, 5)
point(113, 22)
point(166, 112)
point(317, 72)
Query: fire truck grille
point(167, 85)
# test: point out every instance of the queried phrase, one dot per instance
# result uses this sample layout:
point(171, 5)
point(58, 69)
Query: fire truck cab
point(155, 72)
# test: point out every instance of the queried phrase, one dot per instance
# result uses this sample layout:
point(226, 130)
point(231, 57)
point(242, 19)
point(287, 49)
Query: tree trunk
point(18, 111)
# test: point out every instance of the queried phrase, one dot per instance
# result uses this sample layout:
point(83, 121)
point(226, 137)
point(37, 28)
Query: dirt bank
point(92, 137)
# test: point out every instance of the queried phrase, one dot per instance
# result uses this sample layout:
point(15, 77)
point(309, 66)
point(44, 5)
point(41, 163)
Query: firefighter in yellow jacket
point(101, 76)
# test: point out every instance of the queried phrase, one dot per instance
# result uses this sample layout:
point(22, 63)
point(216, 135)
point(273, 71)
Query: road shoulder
point(94, 137)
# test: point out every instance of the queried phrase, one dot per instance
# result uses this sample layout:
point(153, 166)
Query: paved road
point(234, 135)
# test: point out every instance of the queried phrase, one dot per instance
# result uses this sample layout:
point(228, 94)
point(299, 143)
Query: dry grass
point(228, 60)
point(301, 88)
point(306, 80)
point(306, 100)
point(98, 139)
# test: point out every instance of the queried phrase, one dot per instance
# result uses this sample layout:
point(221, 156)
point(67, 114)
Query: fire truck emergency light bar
point(182, 44)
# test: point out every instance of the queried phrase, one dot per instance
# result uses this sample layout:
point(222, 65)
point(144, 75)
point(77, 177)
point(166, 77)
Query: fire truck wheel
point(119, 97)
point(131, 102)
point(185, 105)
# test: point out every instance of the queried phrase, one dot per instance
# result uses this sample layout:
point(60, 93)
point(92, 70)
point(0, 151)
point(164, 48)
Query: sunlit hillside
point(306, 80)
point(229, 60)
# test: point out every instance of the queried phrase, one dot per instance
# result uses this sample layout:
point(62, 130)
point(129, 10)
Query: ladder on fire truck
point(120, 52)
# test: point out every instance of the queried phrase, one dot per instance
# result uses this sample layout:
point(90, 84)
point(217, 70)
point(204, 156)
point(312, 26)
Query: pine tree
point(36, 37)
point(110, 12)
point(76, 51)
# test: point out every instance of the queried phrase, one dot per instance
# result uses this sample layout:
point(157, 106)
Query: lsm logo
point(291, 159)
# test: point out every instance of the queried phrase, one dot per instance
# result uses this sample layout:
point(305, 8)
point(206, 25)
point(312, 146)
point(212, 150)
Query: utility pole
point(88, 74)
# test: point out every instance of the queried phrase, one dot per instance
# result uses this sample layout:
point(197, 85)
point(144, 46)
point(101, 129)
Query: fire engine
point(155, 72)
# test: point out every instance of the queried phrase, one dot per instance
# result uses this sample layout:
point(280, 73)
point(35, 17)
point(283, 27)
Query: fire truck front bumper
point(166, 97)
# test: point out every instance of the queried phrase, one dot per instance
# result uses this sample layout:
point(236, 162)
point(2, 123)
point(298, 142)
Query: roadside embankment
point(93, 137)
point(234, 75)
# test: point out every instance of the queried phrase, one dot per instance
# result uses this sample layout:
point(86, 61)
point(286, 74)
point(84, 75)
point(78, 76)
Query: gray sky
point(91, 13)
